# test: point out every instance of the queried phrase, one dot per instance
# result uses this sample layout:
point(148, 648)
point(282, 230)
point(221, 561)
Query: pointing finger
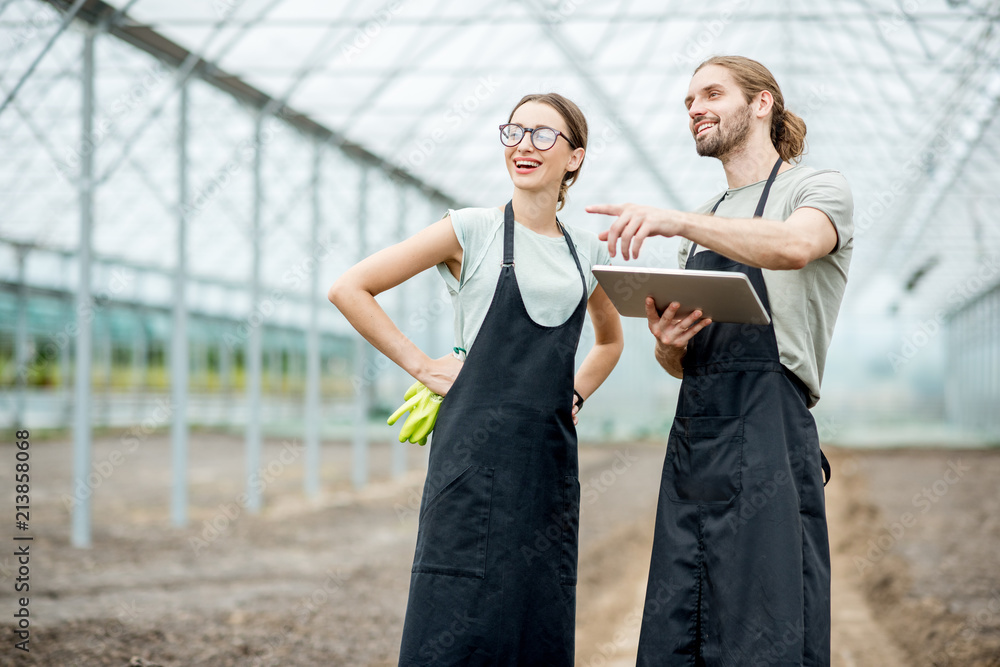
point(605, 209)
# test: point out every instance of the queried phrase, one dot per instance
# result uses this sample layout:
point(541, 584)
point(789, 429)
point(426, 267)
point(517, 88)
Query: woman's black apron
point(494, 574)
point(740, 571)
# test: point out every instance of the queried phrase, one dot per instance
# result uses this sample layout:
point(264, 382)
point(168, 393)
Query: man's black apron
point(740, 572)
point(494, 575)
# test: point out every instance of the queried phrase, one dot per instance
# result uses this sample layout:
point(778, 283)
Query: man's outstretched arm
point(790, 244)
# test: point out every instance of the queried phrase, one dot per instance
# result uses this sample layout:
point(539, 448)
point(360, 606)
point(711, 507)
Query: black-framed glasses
point(543, 138)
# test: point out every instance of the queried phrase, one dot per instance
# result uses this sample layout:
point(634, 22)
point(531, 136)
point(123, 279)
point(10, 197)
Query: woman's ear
point(576, 159)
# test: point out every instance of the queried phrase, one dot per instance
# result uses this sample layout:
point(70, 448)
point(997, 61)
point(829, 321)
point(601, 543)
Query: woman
point(494, 574)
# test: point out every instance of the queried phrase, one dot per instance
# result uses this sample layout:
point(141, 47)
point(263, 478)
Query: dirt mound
point(922, 538)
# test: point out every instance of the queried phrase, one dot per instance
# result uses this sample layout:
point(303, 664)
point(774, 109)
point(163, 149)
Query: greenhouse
point(184, 181)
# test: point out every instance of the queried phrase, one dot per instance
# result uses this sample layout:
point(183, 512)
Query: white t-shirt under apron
point(546, 273)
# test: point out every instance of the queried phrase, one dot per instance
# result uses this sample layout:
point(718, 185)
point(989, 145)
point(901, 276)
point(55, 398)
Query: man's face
point(719, 116)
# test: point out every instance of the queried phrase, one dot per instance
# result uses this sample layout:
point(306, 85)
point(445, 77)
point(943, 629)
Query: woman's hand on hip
point(441, 373)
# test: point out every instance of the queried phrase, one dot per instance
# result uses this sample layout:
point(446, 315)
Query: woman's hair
point(576, 126)
point(788, 131)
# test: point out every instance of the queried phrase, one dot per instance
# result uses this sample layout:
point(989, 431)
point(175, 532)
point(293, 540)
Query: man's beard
point(726, 139)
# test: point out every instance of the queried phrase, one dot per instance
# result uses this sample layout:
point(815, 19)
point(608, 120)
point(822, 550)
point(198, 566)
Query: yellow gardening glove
point(423, 406)
point(410, 399)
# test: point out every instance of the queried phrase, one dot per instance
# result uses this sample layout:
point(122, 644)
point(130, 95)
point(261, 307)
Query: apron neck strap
point(759, 213)
point(508, 243)
point(508, 234)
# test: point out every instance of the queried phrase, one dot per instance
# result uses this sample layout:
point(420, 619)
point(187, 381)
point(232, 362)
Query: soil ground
point(914, 535)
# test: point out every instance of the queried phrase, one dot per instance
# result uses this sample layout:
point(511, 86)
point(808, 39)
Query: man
point(740, 572)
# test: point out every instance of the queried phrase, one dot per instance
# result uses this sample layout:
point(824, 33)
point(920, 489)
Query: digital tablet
point(723, 296)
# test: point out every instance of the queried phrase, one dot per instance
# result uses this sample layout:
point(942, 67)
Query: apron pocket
point(454, 526)
point(704, 460)
point(570, 532)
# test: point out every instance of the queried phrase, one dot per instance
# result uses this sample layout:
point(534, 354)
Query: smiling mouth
point(703, 128)
point(524, 166)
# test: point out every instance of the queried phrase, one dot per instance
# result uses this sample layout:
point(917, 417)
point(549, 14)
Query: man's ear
point(763, 103)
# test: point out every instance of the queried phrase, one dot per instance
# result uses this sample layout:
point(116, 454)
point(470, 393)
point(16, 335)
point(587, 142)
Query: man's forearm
point(756, 242)
point(768, 244)
point(670, 358)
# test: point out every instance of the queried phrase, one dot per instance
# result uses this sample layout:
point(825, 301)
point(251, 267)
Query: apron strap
point(576, 258)
point(508, 234)
point(759, 213)
point(508, 243)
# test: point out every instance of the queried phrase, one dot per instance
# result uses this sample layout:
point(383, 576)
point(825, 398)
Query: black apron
point(494, 574)
point(740, 571)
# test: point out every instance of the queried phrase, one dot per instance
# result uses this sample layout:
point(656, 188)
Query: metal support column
point(140, 362)
point(225, 372)
point(275, 374)
point(81, 399)
point(312, 434)
point(179, 336)
point(363, 372)
point(399, 448)
point(255, 341)
point(106, 359)
point(21, 341)
point(66, 371)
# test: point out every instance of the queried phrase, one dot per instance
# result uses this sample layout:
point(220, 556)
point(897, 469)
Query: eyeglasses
point(542, 138)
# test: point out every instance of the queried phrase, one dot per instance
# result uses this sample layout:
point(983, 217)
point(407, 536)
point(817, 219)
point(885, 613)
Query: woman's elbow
point(337, 294)
point(613, 345)
point(619, 347)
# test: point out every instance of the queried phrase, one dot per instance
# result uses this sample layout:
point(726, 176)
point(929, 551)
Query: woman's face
point(534, 170)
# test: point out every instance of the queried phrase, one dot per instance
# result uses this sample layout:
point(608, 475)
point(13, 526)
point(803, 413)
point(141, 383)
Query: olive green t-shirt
point(804, 303)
